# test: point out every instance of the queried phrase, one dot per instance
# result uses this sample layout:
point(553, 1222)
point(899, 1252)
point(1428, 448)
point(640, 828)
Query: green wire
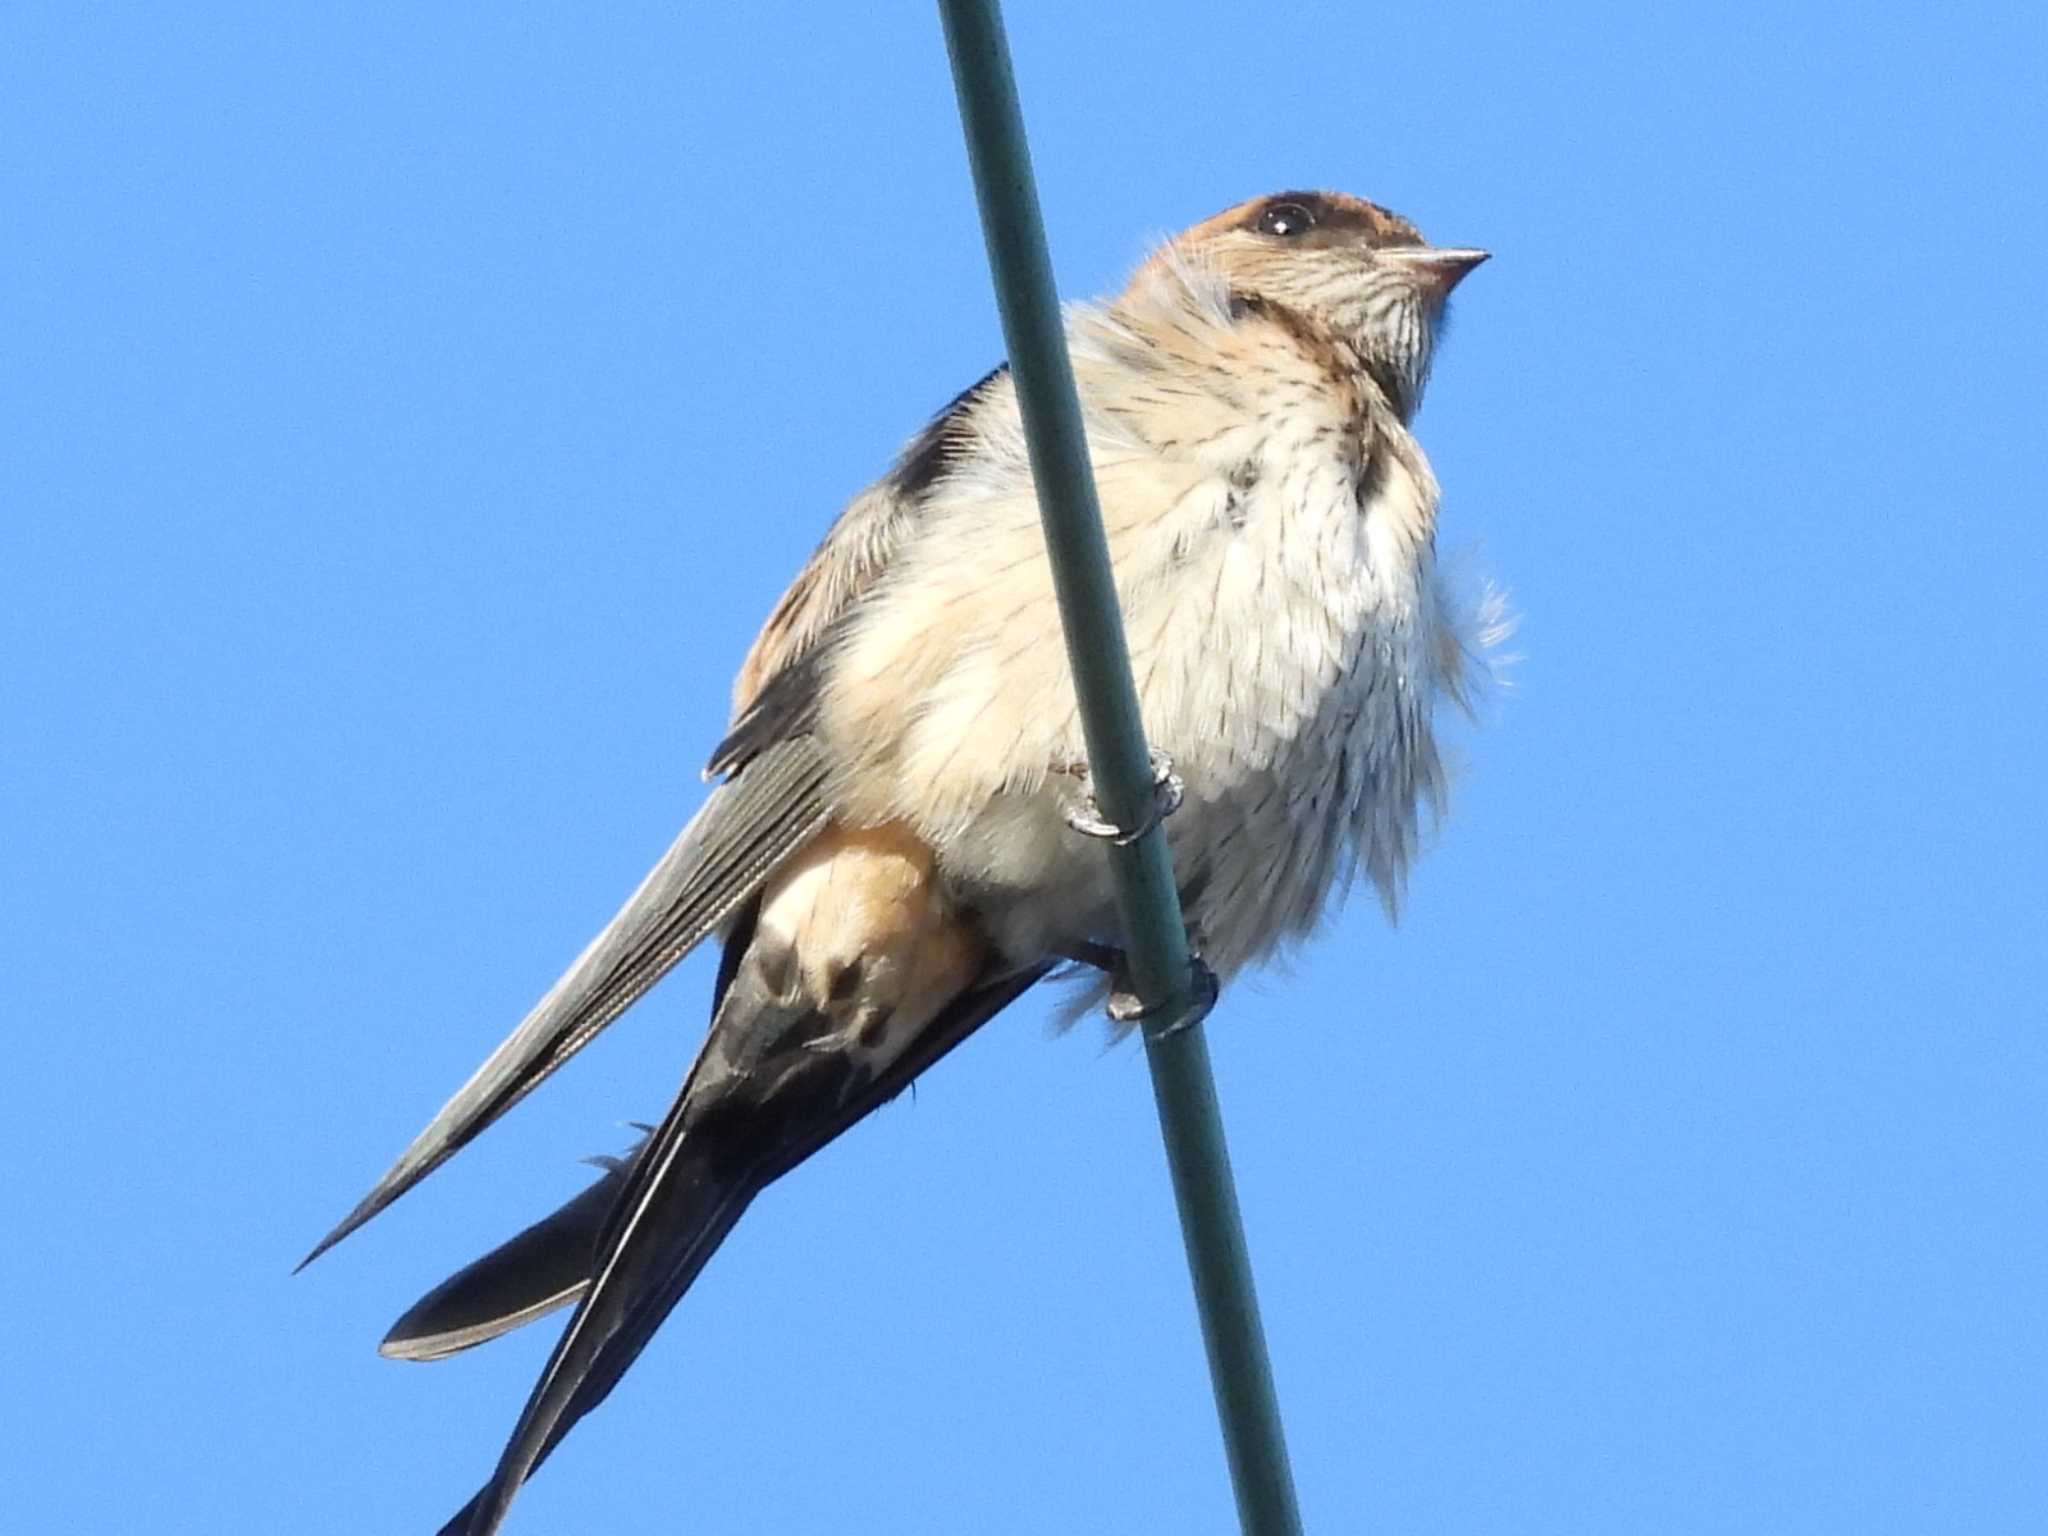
point(1148, 901)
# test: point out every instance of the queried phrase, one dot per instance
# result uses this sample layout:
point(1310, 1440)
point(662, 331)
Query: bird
point(890, 855)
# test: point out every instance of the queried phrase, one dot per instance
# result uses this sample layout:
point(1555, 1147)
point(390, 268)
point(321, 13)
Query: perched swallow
point(888, 861)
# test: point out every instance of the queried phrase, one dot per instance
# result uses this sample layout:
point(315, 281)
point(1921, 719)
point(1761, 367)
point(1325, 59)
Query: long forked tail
point(636, 1284)
point(525, 1277)
point(647, 1229)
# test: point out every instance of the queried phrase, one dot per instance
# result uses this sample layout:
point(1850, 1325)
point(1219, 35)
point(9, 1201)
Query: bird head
point(1349, 267)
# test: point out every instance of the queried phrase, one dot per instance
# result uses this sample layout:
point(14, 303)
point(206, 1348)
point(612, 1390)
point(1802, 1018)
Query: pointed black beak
point(1437, 269)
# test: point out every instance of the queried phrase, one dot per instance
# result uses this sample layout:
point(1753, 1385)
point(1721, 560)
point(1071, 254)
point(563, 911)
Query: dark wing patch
point(932, 452)
point(746, 828)
point(785, 709)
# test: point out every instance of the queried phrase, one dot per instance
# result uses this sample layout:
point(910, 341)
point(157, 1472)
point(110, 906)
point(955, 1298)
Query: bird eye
point(1286, 219)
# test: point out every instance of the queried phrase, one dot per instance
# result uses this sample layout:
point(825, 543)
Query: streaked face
point(1363, 272)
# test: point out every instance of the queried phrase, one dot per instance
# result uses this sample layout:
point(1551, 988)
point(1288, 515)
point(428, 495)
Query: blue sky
point(409, 416)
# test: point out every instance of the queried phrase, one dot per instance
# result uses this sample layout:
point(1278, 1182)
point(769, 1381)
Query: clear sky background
point(407, 415)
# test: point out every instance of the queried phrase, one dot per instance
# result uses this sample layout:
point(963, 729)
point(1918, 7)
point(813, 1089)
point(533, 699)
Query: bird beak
point(1436, 269)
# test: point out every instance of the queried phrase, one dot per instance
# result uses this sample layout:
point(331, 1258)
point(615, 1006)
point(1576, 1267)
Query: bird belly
point(1286, 677)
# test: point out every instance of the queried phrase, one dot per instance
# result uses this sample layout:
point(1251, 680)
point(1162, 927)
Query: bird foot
point(1085, 816)
point(1126, 1007)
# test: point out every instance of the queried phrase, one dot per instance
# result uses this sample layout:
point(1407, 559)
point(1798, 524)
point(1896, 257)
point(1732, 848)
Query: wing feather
point(747, 827)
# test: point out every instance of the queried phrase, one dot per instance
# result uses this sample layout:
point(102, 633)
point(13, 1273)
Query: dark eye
point(1286, 219)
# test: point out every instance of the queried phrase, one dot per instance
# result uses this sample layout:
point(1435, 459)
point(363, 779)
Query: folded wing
point(745, 829)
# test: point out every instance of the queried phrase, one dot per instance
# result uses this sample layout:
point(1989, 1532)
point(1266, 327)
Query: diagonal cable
point(1148, 901)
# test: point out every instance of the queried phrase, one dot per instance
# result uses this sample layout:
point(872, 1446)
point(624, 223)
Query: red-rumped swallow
point(889, 861)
